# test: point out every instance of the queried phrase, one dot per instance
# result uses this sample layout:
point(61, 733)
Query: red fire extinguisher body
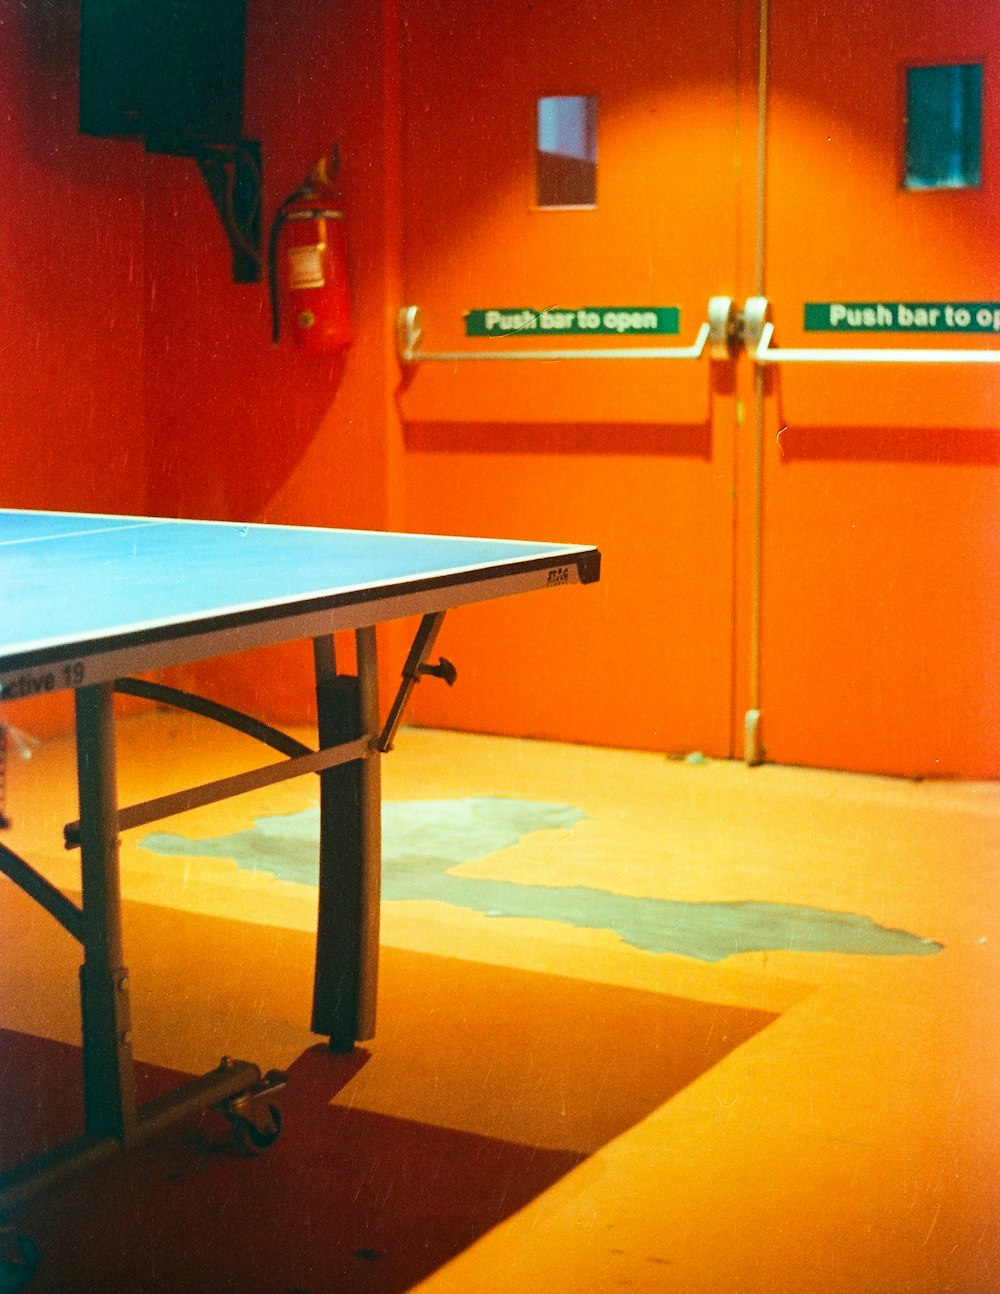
point(318, 293)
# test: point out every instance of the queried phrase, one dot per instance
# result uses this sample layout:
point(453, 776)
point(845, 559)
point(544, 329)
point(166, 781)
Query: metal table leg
point(350, 850)
point(113, 1119)
point(108, 1073)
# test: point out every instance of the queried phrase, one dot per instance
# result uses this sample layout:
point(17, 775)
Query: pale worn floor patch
point(423, 840)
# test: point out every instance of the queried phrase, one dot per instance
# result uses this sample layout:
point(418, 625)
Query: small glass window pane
point(567, 151)
point(944, 111)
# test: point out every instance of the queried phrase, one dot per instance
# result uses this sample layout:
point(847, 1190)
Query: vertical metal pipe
point(753, 751)
point(763, 50)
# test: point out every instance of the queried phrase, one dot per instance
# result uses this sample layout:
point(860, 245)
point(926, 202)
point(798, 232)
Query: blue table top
point(74, 581)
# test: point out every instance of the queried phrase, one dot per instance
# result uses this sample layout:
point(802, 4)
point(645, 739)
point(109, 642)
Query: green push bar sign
point(903, 316)
point(588, 321)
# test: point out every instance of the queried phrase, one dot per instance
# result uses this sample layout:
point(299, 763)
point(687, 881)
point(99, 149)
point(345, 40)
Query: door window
point(566, 169)
point(944, 126)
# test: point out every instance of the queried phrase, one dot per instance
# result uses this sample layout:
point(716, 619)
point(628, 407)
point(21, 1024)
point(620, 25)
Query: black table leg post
point(350, 851)
point(371, 816)
point(108, 1071)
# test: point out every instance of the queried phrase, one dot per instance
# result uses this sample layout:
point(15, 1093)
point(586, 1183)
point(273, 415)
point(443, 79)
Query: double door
point(799, 510)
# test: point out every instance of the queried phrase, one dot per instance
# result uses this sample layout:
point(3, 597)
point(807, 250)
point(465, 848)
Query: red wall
point(239, 429)
point(71, 288)
point(236, 427)
point(71, 221)
point(134, 374)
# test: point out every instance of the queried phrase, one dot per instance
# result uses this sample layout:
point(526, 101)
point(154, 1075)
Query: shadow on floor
point(486, 1086)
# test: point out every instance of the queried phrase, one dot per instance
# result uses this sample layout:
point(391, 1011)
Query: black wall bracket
point(234, 176)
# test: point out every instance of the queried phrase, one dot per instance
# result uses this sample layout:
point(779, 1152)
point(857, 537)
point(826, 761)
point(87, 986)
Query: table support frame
point(348, 763)
point(114, 1120)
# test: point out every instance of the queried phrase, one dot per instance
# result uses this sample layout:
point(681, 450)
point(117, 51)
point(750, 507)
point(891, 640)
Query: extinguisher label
point(306, 266)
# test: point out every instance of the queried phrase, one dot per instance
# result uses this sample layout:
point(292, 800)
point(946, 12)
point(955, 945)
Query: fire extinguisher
point(309, 230)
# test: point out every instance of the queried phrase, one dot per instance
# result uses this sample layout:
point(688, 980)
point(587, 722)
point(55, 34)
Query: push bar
point(758, 331)
point(715, 333)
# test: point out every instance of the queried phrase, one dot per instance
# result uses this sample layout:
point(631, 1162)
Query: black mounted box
point(163, 69)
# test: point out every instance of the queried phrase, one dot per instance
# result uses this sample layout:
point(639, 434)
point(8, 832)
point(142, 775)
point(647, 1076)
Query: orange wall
point(636, 457)
point(134, 375)
point(881, 594)
point(880, 597)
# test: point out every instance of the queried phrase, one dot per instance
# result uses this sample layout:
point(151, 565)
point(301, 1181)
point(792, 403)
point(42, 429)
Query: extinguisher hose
point(272, 258)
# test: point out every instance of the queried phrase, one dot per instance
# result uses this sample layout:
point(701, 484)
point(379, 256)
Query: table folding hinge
point(443, 669)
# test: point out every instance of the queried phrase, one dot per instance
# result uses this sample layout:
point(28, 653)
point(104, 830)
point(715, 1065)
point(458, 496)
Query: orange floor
point(840, 1132)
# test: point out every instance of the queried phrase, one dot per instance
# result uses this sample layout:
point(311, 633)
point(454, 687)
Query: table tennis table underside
point(351, 740)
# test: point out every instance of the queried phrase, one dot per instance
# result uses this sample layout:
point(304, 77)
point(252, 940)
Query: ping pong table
point(91, 602)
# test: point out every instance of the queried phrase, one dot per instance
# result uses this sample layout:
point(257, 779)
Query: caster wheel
point(252, 1138)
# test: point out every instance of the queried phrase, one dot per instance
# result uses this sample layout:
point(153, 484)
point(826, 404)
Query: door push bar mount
point(716, 335)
